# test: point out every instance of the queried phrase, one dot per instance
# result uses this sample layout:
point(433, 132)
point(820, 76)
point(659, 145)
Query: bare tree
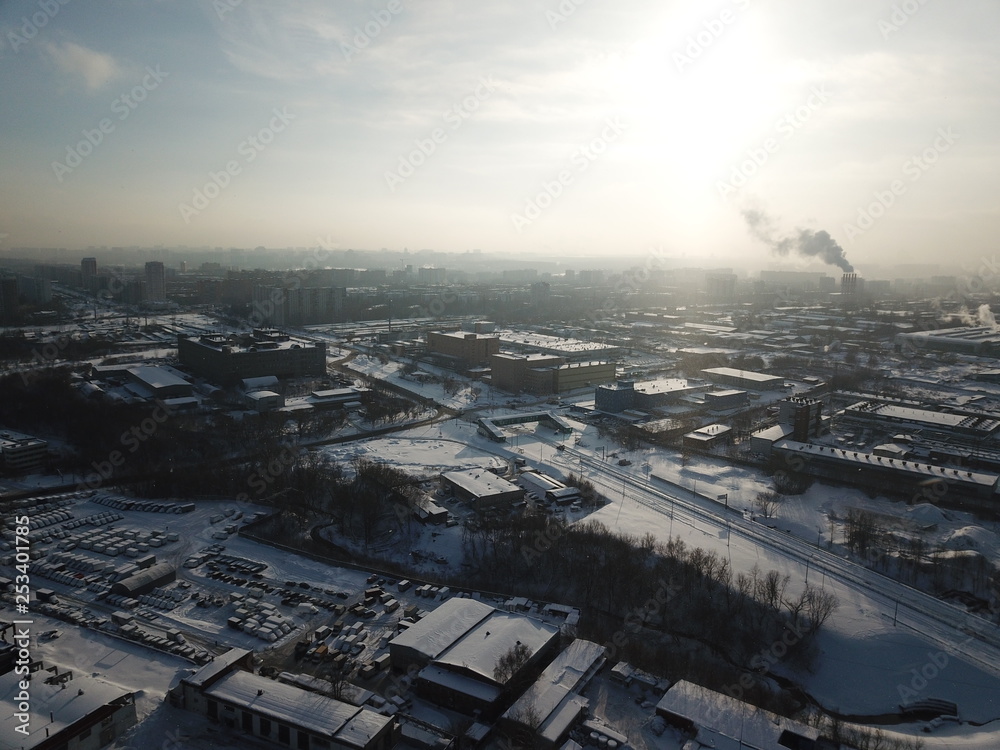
point(510, 662)
point(767, 503)
point(820, 604)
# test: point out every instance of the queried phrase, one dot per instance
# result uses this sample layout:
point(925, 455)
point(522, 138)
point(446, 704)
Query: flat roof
point(480, 482)
point(749, 375)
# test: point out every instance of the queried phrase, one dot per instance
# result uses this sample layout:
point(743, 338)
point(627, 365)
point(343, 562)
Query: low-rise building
point(20, 453)
point(229, 359)
point(67, 709)
point(277, 712)
point(481, 489)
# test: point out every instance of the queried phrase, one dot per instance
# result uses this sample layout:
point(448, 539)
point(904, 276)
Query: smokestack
point(804, 242)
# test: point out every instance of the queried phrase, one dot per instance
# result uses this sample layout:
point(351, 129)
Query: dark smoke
point(804, 242)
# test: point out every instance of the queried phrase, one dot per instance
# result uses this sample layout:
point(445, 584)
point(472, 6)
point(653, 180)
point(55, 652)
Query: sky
point(528, 127)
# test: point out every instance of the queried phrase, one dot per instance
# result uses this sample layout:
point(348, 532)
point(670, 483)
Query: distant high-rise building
point(9, 303)
point(88, 271)
point(156, 282)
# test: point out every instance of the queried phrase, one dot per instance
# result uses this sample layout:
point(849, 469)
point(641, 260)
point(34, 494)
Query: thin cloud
point(95, 68)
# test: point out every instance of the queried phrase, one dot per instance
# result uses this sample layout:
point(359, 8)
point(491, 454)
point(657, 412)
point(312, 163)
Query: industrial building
point(20, 453)
point(725, 400)
point(68, 711)
point(744, 379)
point(716, 720)
point(491, 427)
point(145, 581)
point(159, 381)
point(545, 373)
point(709, 436)
point(553, 704)
point(283, 714)
point(229, 359)
point(980, 341)
point(457, 648)
point(885, 474)
point(943, 425)
point(481, 489)
point(626, 395)
point(466, 349)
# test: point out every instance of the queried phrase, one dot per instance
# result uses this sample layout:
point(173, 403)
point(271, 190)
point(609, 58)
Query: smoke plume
point(804, 242)
point(986, 317)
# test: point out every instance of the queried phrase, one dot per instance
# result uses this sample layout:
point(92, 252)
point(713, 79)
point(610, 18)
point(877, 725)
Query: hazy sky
point(528, 126)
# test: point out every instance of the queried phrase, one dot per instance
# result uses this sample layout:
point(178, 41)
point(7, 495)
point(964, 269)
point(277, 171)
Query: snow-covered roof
point(441, 628)
point(719, 717)
point(316, 713)
point(479, 650)
point(480, 482)
point(564, 676)
point(53, 707)
point(460, 683)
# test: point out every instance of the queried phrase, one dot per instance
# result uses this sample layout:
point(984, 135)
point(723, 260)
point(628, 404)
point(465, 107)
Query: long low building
point(744, 379)
point(481, 488)
point(284, 714)
point(716, 720)
point(881, 472)
point(553, 704)
point(900, 416)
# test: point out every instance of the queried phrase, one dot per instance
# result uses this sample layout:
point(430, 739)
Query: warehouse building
point(465, 349)
point(716, 720)
point(552, 706)
point(481, 489)
point(283, 714)
point(145, 581)
point(68, 711)
point(458, 647)
point(935, 424)
point(230, 359)
point(545, 373)
point(626, 395)
point(885, 474)
point(744, 379)
point(160, 382)
point(981, 341)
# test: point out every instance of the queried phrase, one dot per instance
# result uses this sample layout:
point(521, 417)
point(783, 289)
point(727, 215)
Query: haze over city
point(579, 128)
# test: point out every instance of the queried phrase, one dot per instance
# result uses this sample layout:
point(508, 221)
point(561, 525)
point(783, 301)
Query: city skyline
point(555, 129)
